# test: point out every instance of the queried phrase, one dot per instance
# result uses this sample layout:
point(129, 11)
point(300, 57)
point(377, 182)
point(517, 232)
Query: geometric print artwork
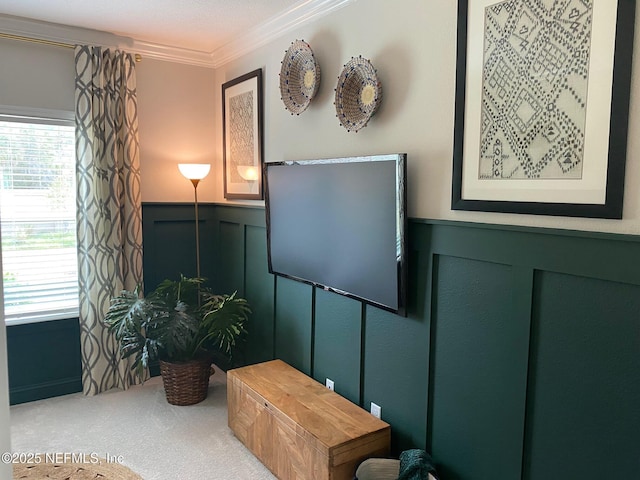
point(241, 138)
point(242, 120)
point(534, 89)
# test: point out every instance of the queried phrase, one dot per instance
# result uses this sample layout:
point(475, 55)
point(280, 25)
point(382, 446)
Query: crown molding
point(172, 54)
point(300, 14)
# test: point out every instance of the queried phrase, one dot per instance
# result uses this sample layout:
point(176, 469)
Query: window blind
point(38, 221)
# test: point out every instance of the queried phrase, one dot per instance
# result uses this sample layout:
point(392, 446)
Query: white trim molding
point(301, 13)
point(171, 54)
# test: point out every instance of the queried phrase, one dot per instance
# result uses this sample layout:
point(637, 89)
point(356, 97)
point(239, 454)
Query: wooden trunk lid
point(328, 422)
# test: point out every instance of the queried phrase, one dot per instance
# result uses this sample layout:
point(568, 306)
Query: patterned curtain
point(108, 203)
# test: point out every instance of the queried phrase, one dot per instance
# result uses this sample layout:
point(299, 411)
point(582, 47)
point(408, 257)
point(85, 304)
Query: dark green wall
point(519, 358)
point(169, 241)
point(44, 360)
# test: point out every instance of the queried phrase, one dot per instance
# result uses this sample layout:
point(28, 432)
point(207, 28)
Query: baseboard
point(43, 390)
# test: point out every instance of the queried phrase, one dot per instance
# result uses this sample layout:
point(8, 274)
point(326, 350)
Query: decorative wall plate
point(299, 77)
point(358, 94)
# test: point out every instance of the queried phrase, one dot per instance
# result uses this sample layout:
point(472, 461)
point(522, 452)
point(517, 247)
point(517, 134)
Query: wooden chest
point(297, 427)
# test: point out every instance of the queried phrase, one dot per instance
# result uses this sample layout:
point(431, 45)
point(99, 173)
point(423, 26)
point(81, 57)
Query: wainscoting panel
point(259, 287)
point(230, 271)
point(169, 242)
point(518, 359)
point(583, 409)
point(240, 234)
point(294, 323)
point(474, 371)
point(337, 343)
point(396, 360)
point(241, 265)
point(44, 360)
point(479, 370)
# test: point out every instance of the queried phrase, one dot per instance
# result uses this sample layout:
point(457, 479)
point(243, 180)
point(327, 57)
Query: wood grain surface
point(297, 427)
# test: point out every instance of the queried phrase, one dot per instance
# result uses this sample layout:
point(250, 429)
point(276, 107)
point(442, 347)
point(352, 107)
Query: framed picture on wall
point(242, 135)
point(542, 103)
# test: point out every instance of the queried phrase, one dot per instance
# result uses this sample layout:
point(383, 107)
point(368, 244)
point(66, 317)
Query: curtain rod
point(22, 38)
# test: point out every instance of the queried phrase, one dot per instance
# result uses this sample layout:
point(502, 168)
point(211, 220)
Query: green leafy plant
point(179, 321)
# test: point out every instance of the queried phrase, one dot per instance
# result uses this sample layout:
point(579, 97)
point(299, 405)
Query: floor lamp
point(195, 172)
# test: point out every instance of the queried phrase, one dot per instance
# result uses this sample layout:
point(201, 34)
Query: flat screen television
point(339, 224)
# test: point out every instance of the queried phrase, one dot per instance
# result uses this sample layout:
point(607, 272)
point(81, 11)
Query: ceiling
point(198, 25)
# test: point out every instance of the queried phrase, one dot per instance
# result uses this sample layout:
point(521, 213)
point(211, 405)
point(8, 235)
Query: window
point(38, 221)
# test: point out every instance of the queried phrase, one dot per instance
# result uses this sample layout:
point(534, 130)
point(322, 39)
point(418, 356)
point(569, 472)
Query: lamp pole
point(195, 182)
point(195, 172)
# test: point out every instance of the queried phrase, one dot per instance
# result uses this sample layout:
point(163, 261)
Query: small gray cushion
point(415, 464)
point(378, 469)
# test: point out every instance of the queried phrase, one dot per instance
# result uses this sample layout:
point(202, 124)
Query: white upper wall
point(176, 105)
point(418, 82)
point(36, 76)
point(412, 45)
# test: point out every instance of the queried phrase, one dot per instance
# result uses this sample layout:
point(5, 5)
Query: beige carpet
point(156, 440)
point(74, 471)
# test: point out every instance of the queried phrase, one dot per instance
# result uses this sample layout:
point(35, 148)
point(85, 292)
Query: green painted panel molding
point(519, 358)
point(498, 318)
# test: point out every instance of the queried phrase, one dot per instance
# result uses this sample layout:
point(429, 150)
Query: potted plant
point(181, 324)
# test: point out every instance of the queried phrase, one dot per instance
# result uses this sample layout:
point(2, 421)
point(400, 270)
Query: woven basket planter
point(186, 383)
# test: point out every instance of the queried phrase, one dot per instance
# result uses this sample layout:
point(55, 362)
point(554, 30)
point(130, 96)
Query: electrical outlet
point(376, 410)
point(329, 384)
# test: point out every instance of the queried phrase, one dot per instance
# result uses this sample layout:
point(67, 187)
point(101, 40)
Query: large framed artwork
point(542, 103)
point(242, 136)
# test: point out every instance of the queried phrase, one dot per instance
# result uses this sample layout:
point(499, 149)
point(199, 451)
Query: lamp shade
point(194, 171)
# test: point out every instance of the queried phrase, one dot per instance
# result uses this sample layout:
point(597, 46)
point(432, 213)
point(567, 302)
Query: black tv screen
point(339, 224)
